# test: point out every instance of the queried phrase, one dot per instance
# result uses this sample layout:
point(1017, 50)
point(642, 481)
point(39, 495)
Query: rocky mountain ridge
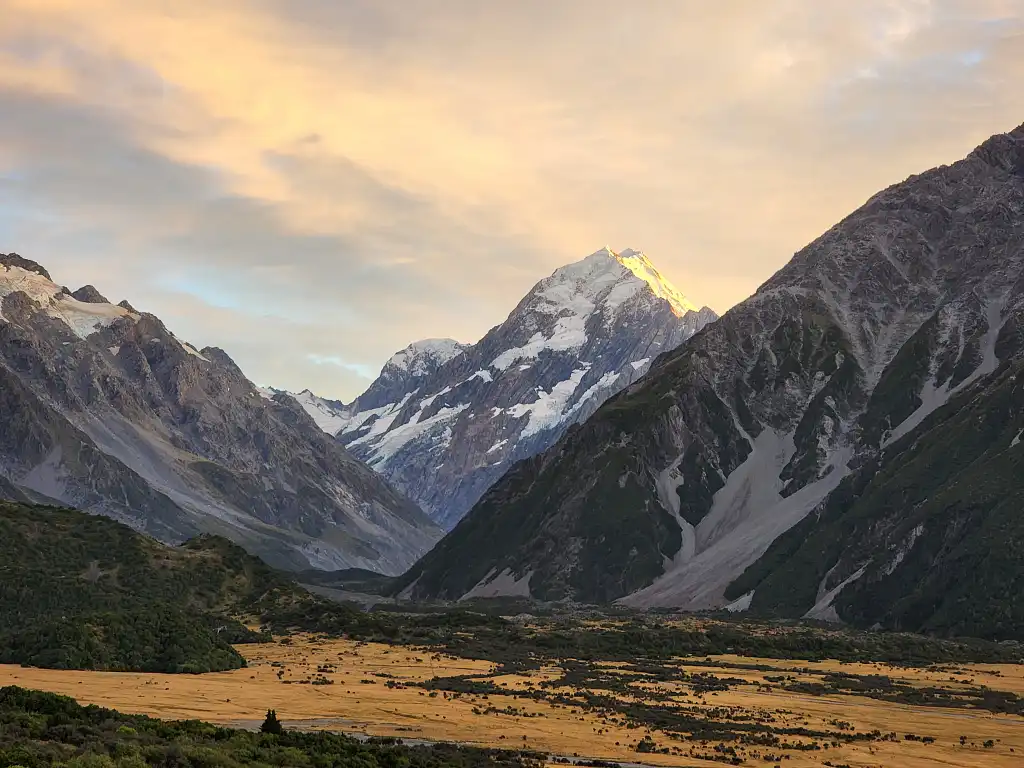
point(445, 420)
point(836, 371)
point(106, 410)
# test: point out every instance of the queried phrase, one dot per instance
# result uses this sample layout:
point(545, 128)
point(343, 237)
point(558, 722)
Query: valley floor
point(791, 711)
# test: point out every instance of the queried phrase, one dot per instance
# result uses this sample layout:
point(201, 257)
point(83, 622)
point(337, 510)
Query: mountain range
point(445, 420)
point(845, 444)
point(106, 410)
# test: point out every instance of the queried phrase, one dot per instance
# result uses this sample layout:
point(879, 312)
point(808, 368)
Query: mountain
point(104, 409)
point(445, 420)
point(84, 592)
point(862, 410)
point(404, 372)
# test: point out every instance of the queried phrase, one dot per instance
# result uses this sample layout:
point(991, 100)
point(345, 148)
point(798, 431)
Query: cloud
point(311, 180)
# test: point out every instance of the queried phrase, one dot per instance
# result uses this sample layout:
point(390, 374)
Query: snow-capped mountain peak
point(326, 413)
point(606, 279)
point(104, 408)
point(445, 420)
point(84, 318)
point(423, 357)
point(840, 446)
point(642, 268)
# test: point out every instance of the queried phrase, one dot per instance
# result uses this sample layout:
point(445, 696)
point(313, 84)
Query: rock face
point(865, 400)
point(444, 421)
point(104, 409)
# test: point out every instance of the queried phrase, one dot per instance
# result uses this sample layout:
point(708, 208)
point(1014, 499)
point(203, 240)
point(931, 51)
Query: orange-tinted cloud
point(366, 172)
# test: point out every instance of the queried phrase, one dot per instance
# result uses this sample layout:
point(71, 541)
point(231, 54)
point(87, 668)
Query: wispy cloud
point(306, 181)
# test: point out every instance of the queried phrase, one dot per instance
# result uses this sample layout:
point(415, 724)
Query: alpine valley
point(104, 409)
point(445, 420)
point(848, 443)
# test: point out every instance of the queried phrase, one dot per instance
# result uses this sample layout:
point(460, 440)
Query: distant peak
point(422, 356)
point(14, 260)
point(89, 295)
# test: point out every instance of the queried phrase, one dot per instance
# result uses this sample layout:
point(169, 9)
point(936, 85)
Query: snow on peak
point(326, 414)
point(420, 357)
point(82, 317)
point(608, 278)
point(641, 267)
point(602, 281)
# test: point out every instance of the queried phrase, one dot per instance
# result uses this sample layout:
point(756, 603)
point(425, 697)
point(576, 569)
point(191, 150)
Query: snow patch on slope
point(427, 401)
point(741, 604)
point(933, 397)
point(569, 334)
point(549, 407)
point(191, 350)
point(747, 515)
point(83, 318)
point(385, 417)
point(824, 610)
point(1016, 441)
point(394, 440)
point(667, 487)
point(326, 417)
point(505, 584)
point(904, 549)
point(605, 381)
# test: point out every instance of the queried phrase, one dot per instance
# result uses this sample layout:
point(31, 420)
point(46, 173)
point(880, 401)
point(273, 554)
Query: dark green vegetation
point(524, 645)
point(84, 592)
point(271, 724)
point(622, 538)
point(674, 699)
point(41, 729)
point(944, 503)
point(884, 688)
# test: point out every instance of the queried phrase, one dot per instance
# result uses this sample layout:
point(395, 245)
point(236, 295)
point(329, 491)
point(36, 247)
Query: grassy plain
point(377, 689)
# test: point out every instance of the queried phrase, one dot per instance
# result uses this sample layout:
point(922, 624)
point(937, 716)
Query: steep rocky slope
point(900, 325)
point(444, 421)
point(105, 410)
point(926, 536)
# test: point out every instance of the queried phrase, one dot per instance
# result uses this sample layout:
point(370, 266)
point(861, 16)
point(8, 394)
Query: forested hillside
point(84, 592)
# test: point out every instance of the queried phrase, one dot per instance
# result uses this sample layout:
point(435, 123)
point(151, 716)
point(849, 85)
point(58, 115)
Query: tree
point(272, 724)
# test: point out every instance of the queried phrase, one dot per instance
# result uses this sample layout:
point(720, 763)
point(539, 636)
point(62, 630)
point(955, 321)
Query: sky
point(313, 184)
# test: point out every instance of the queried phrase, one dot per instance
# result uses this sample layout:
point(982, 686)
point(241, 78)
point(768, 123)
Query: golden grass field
point(354, 704)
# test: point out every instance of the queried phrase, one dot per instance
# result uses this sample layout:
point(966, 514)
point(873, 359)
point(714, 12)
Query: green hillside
point(85, 592)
